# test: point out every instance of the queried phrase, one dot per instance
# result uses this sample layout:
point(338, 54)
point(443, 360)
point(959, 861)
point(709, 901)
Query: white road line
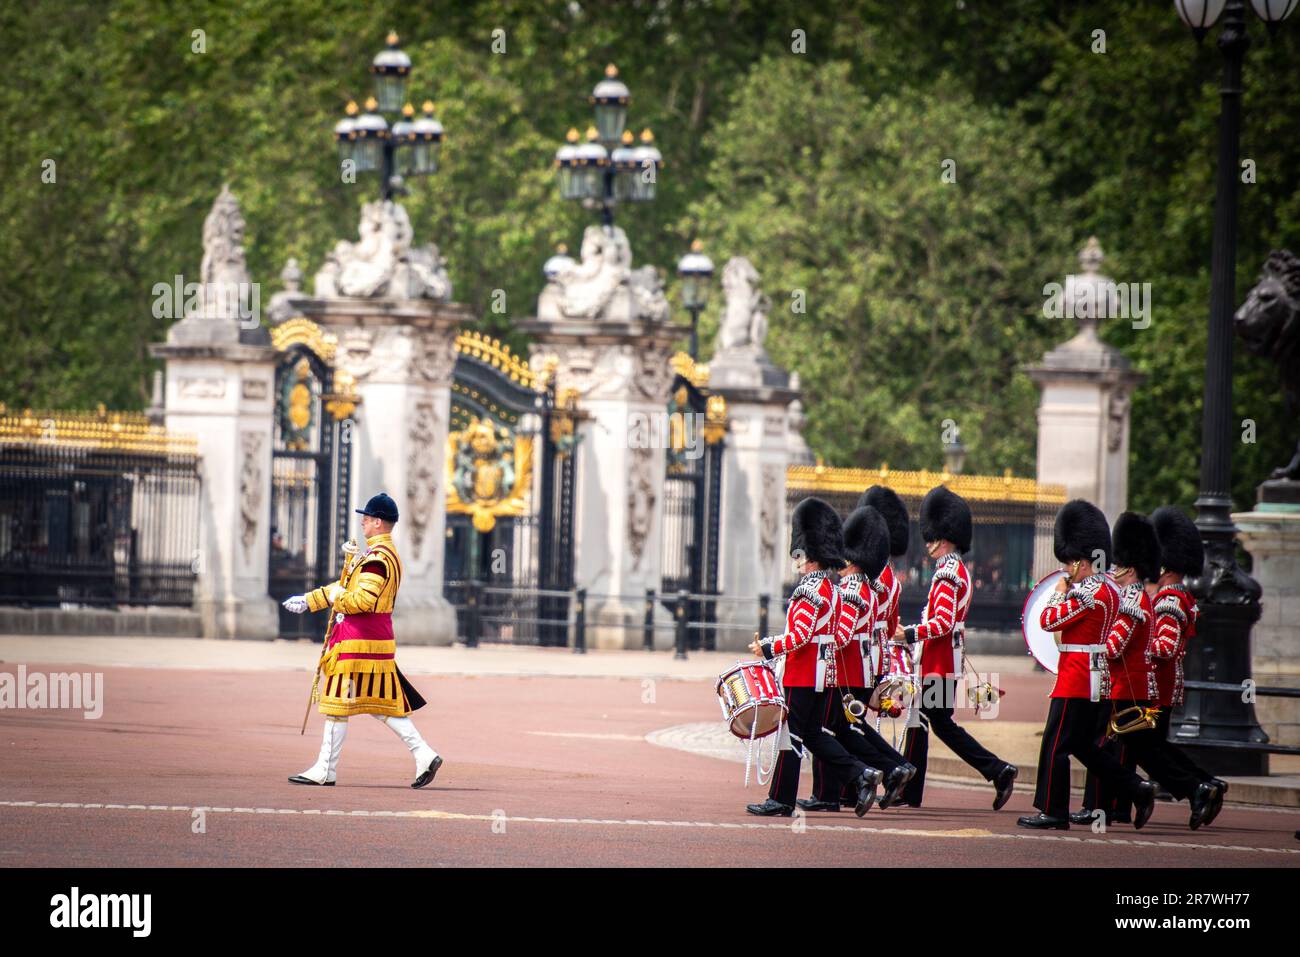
point(968, 833)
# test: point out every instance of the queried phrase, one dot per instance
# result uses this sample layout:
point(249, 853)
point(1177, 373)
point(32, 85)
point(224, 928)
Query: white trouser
point(404, 728)
point(323, 771)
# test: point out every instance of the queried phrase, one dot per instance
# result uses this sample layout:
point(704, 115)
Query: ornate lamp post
point(696, 272)
point(608, 169)
point(1229, 598)
point(954, 455)
point(409, 147)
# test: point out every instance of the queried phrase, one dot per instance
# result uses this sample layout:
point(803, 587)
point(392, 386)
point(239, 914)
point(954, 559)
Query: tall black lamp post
point(608, 168)
point(696, 273)
point(1229, 598)
point(409, 147)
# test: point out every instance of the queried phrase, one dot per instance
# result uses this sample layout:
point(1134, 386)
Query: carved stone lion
point(1269, 324)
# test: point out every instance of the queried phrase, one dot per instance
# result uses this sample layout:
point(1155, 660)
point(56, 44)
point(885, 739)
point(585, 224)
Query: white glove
point(332, 591)
point(297, 604)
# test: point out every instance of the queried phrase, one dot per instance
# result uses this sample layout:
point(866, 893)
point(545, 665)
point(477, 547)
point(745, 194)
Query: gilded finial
point(562, 248)
point(628, 138)
point(572, 135)
point(371, 104)
point(408, 110)
point(647, 136)
point(427, 106)
point(611, 71)
point(696, 246)
point(351, 108)
point(392, 38)
point(592, 135)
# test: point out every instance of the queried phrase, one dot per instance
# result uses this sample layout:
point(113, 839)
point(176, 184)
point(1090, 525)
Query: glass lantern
point(610, 98)
point(390, 68)
point(425, 142)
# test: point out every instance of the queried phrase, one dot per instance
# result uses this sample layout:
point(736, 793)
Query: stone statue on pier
point(383, 262)
point(744, 319)
point(603, 286)
point(1269, 324)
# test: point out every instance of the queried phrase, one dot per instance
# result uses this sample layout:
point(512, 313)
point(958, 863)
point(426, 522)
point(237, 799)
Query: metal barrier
point(511, 615)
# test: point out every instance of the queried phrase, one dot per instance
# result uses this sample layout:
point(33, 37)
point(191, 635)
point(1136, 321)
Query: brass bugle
point(1136, 718)
point(853, 709)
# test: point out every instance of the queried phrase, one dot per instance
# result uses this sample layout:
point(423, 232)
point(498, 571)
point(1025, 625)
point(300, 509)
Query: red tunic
point(945, 617)
point(1083, 616)
point(853, 634)
point(888, 593)
point(1174, 625)
point(1128, 648)
point(809, 623)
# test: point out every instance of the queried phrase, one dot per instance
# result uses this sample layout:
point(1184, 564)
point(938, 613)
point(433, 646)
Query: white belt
point(1094, 653)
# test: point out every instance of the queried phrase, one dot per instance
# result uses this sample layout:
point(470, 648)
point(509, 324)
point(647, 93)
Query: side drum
point(751, 699)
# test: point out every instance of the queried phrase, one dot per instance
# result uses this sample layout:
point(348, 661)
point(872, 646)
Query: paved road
point(540, 770)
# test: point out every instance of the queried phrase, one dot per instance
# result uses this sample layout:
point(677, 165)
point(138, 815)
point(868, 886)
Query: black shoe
point(428, 774)
point(816, 804)
point(895, 781)
point(867, 785)
point(1041, 822)
point(1144, 804)
point(1082, 817)
point(770, 808)
point(1202, 800)
point(1220, 789)
point(299, 779)
point(1005, 782)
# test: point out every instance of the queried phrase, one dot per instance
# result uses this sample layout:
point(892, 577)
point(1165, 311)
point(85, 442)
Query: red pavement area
point(517, 749)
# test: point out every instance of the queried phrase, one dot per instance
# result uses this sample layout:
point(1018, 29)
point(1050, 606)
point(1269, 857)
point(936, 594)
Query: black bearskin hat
point(1180, 541)
point(945, 516)
point(887, 503)
point(1081, 532)
point(866, 540)
point(816, 531)
point(1136, 545)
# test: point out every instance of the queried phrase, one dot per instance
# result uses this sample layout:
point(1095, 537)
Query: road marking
point(963, 833)
point(589, 735)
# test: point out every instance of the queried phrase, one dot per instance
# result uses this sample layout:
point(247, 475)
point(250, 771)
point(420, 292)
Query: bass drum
point(1042, 643)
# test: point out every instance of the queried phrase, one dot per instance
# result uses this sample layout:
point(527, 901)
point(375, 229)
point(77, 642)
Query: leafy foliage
point(923, 298)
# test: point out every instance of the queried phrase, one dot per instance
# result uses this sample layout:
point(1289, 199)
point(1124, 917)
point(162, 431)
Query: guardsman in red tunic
point(1081, 612)
point(359, 664)
point(1181, 556)
point(807, 648)
point(888, 586)
point(946, 529)
point(1131, 683)
point(866, 551)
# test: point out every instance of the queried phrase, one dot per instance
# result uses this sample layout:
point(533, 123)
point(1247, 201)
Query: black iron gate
point(692, 498)
point(310, 462)
point(508, 566)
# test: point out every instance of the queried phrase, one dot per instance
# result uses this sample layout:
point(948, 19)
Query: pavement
point(608, 758)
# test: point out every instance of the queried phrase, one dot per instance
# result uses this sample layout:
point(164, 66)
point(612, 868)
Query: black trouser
point(1096, 794)
point(1071, 730)
point(861, 740)
point(810, 715)
point(938, 696)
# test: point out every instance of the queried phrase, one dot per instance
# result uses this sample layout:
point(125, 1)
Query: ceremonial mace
point(351, 549)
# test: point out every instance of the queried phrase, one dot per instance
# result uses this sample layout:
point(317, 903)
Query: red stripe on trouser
point(1051, 762)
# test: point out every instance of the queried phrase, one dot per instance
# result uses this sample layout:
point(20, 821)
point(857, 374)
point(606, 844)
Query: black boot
point(1202, 800)
point(1220, 789)
point(867, 785)
point(817, 804)
point(770, 808)
point(895, 781)
point(1084, 817)
point(1042, 822)
point(1144, 804)
point(1005, 782)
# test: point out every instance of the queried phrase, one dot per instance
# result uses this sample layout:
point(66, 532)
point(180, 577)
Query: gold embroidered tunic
point(359, 663)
